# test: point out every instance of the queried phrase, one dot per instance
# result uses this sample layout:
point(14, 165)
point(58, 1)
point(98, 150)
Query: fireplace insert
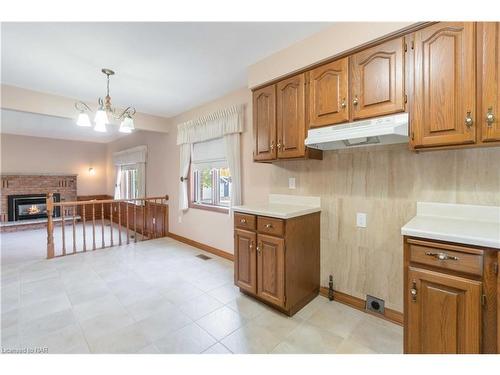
point(30, 206)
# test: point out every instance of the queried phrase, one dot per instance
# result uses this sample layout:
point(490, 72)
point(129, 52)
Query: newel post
point(50, 226)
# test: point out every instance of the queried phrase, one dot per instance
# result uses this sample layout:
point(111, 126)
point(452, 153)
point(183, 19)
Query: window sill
point(207, 207)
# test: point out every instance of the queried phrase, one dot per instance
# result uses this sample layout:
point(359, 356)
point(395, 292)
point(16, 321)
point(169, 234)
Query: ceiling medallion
point(101, 116)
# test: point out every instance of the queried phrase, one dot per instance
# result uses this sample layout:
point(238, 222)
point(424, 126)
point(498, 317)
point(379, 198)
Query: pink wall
point(23, 154)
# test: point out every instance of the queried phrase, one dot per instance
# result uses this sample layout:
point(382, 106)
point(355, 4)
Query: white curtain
point(141, 180)
point(118, 173)
point(184, 161)
point(221, 124)
point(132, 156)
point(233, 156)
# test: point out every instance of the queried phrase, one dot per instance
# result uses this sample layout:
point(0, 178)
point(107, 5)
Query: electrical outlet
point(291, 183)
point(179, 219)
point(361, 220)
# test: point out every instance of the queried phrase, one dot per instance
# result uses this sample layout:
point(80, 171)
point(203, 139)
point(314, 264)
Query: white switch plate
point(291, 183)
point(361, 220)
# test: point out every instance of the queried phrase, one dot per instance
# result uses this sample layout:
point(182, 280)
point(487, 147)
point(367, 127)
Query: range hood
point(377, 131)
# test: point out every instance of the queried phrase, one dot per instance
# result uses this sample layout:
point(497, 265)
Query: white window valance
point(130, 156)
point(216, 125)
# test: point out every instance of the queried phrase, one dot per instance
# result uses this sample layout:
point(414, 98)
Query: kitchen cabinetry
point(264, 123)
point(277, 260)
point(490, 79)
point(377, 80)
point(329, 94)
point(444, 107)
point(450, 298)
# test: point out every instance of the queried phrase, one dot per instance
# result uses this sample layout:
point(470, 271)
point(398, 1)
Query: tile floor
point(158, 297)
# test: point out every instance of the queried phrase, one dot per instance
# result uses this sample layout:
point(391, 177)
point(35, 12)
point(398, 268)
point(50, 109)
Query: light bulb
point(83, 119)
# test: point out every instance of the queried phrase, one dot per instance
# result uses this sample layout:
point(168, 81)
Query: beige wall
point(158, 166)
point(23, 154)
point(336, 39)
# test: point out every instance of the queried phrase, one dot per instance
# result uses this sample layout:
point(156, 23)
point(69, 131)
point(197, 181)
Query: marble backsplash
point(385, 182)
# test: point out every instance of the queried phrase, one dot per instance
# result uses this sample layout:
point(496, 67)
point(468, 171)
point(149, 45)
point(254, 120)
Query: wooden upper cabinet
point(444, 110)
point(264, 123)
point(490, 80)
point(291, 117)
point(377, 80)
point(329, 94)
point(245, 275)
point(444, 313)
point(271, 269)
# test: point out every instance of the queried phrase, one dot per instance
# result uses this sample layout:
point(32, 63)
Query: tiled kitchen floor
point(158, 297)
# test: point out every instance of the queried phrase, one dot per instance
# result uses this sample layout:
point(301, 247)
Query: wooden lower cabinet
point(278, 262)
point(450, 298)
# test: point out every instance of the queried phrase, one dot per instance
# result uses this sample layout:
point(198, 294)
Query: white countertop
point(282, 206)
point(460, 223)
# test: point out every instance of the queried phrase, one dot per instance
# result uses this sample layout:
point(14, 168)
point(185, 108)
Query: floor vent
point(204, 257)
point(375, 304)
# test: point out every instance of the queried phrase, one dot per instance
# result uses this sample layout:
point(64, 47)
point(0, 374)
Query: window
point(210, 177)
point(129, 186)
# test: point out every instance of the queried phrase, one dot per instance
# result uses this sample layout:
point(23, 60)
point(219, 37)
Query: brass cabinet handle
point(414, 291)
point(490, 117)
point(343, 104)
point(269, 226)
point(272, 145)
point(441, 256)
point(259, 248)
point(468, 119)
point(278, 146)
point(243, 221)
point(251, 245)
point(355, 101)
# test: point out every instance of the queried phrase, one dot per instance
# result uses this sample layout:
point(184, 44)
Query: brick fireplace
point(25, 195)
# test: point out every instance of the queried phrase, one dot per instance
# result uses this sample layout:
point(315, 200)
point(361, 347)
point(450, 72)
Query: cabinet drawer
point(447, 259)
point(244, 221)
point(270, 225)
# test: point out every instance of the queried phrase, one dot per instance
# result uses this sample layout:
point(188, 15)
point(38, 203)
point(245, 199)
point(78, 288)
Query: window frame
point(202, 206)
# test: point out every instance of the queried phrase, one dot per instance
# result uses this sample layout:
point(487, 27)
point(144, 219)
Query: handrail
point(149, 220)
point(79, 203)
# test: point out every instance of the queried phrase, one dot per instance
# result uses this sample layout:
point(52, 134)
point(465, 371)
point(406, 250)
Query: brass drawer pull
point(441, 256)
point(243, 221)
point(414, 291)
point(269, 226)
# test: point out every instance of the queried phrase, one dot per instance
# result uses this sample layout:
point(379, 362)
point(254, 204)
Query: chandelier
point(101, 116)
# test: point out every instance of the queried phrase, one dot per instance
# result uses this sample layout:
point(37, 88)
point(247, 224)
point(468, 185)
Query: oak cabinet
point(264, 123)
point(443, 314)
point(377, 80)
point(444, 104)
point(329, 94)
point(450, 298)
point(244, 273)
point(291, 123)
point(278, 262)
point(271, 269)
point(490, 79)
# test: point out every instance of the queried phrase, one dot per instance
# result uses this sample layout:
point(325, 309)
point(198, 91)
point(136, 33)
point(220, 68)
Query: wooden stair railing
point(147, 218)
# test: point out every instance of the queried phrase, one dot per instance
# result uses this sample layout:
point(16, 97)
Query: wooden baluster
point(111, 221)
point(154, 218)
point(135, 222)
point(144, 220)
point(83, 228)
point(127, 226)
point(50, 226)
point(93, 225)
point(165, 217)
point(63, 212)
point(120, 223)
point(74, 226)
point(103, 244)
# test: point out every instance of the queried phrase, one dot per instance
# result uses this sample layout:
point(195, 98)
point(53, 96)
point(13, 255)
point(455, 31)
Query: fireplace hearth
point(30, 206)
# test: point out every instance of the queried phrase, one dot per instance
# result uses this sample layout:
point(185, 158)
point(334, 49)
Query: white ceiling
point(162, 68)
point(38, 125)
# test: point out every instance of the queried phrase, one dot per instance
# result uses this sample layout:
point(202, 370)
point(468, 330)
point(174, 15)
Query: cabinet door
point(377, 84)
point(444, 107)
point(444, 313)
point(264, 123)
point(328, 94)
point(271, 269)
point(245, 271)
point(489, 117)
point(291, 117)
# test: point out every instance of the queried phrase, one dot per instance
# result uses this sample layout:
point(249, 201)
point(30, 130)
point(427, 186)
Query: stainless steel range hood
point(377, 131)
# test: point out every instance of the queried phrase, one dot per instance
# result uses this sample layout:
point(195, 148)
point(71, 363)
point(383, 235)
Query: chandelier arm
point(82, 107)
point(130, 111)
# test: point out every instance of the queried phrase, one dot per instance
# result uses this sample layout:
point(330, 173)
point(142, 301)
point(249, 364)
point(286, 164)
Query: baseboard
point(202, 246)
point(359, 304)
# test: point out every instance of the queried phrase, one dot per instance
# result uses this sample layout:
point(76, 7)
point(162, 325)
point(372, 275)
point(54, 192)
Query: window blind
point(209, 154)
